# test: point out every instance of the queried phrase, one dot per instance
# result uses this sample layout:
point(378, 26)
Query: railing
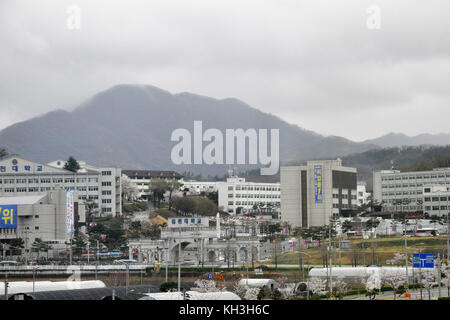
point(74, 267)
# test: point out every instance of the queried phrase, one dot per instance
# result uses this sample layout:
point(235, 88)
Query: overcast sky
point(313, 63)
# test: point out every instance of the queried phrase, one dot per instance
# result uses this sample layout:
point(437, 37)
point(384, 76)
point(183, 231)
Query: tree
point(3, 152)
point(39, 245)
point(372, 223)
point(205, 286)
point(72, 164)
point(339, 287)
point(445, 270)
point(317, 285)
point(347, 225)
point(91, 209)
point(393, 279)
point(184, 205)
point(17, 243)
point(130, 190)
point(428, 281)
point(252, 294)
point(172, 185)
point(373, 285)
point(158, 188)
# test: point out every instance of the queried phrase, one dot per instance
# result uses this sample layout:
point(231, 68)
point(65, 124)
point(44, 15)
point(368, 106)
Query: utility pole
point(88, 251)
point(26, 246)
point(439, 273)
point(179, 266)
point(406, 255)
point(448, 238)
point(6, 286)
point(331, 259)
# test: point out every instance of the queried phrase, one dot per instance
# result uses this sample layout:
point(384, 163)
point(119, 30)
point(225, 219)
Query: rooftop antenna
point(392, 164)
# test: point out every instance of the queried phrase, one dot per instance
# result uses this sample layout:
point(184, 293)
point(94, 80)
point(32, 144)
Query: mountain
point(131, 125)
point(398, 139)
point(404, 159)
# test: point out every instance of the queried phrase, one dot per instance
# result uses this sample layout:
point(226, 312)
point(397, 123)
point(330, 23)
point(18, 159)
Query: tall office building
point(311, 194)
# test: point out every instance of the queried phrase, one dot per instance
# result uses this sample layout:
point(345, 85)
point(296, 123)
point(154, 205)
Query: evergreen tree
point(72, 164)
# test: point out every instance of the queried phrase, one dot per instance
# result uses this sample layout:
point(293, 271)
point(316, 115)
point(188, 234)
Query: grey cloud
point(309, 62)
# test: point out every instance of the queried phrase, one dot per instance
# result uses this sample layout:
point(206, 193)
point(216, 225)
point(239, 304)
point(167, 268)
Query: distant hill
point(404, 159)
point(130, 126)
point(398, 139)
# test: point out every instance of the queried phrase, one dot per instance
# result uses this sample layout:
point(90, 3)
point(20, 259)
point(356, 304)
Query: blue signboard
point(8, 216)
point(210, 276)
point(318, 184)
point(423, 260)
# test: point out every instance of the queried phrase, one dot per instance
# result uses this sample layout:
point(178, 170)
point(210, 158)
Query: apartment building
point(19, 176)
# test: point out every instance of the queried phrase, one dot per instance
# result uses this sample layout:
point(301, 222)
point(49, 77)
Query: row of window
point(397, 193)
point(48, 180)
point(250, 203)
point(433, 176)
point(437, 208)
point(256, 188)
point(269, 196)
point(414, 185)
point(44, 189)
point(343, 196)
point(345, 206)
point(435, 199)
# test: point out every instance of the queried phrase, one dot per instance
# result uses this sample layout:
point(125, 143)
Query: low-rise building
point(403, 191)
point(53, 217)
point(237, 196)
point(19, 177)
point(144, 178)
point(362, 195)
point(436, 200)
point(197, 187)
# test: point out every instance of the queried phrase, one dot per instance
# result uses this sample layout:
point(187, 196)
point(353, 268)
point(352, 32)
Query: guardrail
point(81, 268)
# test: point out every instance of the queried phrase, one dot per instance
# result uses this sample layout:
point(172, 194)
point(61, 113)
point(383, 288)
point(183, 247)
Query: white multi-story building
point(237, 196)
point(143, 179)
point(436, 200)
point(362, 195)
point(19, 176)
point(403, 191)
point(311, 194)
point(197, 187)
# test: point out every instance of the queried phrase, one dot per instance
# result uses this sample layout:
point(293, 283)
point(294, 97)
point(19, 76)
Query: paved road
point(415, 295)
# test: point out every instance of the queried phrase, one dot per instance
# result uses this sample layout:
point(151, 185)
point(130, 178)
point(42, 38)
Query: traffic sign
point(423, 260)
point(210, 276)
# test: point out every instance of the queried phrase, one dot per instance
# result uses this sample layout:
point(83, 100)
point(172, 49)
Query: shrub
point(166, 286)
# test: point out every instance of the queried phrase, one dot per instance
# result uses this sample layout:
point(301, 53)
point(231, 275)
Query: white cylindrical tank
point(259, 283)
point(27, 286)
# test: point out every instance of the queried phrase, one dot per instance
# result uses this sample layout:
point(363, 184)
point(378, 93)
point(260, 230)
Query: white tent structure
point(191, 295)
point(259, 283)
point(27, 286)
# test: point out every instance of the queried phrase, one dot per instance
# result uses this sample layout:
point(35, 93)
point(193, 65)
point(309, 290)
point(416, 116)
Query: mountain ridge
point(130, 126)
